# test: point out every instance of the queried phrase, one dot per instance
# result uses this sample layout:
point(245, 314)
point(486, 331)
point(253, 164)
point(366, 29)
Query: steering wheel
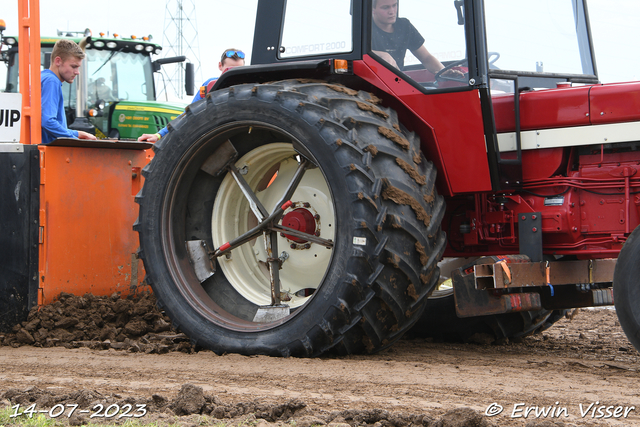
point(493, 57)
point(439, 77)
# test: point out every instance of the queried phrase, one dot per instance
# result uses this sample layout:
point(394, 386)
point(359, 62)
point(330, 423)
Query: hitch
point(496, 285)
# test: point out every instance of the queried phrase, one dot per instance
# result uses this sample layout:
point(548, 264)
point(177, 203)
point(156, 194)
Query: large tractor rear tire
point(626, 288)
point(357, 277)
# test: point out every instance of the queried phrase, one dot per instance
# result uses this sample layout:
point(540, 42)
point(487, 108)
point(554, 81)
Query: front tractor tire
point(626, 288)
point(317, 213)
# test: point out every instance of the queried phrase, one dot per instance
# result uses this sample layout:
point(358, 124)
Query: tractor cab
point(452, 52)
point(541, 42)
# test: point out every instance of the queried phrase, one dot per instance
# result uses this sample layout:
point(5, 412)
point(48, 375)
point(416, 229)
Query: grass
point(38, 420)
point(42, 420)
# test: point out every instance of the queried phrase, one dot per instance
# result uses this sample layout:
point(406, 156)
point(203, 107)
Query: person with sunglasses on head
point(231, 58)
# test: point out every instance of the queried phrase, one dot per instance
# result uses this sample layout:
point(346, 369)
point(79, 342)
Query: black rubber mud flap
point(19, 213)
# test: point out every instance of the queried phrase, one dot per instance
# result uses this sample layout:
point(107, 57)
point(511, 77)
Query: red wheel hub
point(299, 219)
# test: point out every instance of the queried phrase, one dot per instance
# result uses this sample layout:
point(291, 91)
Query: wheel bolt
point(281, 234)
point(307, 245)
point(293, 246)
point(306, 204)
point(317, 217)
point(317, 233)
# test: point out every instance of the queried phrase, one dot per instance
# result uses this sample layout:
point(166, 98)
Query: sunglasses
point(232, 53)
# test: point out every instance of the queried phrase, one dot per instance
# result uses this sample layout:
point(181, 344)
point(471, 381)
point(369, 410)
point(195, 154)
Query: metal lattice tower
point(180, 37)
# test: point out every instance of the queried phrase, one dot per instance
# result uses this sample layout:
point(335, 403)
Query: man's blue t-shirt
point(54, 121)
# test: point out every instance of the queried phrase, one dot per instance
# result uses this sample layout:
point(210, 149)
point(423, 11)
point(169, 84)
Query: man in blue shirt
point(66, 58)
point(230, 58)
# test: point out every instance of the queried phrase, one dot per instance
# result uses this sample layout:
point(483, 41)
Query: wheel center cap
point(301, 220)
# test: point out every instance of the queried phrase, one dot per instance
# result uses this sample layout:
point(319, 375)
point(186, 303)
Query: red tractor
point(297, 209)
point(305, 205)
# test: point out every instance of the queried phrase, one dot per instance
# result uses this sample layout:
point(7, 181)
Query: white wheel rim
point(246, 270)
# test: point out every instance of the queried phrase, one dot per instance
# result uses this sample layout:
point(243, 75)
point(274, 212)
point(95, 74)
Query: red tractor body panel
point(569, 107)
point(615, 103)
point(459, 152)
point(544, 109)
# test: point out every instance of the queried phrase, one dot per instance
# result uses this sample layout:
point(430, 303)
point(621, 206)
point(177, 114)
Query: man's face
point(230, 63)
point(385, 12)
point(68, 68)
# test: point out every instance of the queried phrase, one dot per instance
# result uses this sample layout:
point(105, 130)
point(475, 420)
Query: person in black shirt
point(392, 36)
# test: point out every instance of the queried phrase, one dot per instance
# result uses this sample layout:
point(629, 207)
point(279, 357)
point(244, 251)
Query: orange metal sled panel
point(87, 211)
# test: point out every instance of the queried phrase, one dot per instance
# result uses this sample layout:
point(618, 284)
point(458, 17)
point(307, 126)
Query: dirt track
point(579, 361)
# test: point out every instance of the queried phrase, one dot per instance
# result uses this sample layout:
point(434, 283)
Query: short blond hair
point(65, 48)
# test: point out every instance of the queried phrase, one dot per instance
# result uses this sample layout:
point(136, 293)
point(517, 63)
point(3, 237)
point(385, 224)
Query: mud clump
point(424, 258)
point(99, 322)
point(369, 107)
point(190, 400)
point(401, 198)
point(391, 135)
point(412, 172)
point(462, 417)
point(340, 88)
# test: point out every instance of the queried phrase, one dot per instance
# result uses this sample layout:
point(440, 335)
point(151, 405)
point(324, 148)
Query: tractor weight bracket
point(513, 284)
point(200, 258)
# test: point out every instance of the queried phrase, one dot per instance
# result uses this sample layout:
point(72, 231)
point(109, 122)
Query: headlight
point(112, 45)
point(98, 44)
point(139, 47)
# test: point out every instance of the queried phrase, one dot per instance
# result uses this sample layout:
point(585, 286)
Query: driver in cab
point(392, 36)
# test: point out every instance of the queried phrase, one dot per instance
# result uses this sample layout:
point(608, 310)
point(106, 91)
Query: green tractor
point(114, 96)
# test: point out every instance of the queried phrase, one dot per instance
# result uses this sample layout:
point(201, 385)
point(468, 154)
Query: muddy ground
point(123, 358)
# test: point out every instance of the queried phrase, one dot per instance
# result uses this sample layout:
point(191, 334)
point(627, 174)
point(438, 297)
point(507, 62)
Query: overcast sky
point(222, 24)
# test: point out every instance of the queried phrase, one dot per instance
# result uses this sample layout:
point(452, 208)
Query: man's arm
point(153, 137)
point(387, 57)
point(429, 61)
point(432, 64)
